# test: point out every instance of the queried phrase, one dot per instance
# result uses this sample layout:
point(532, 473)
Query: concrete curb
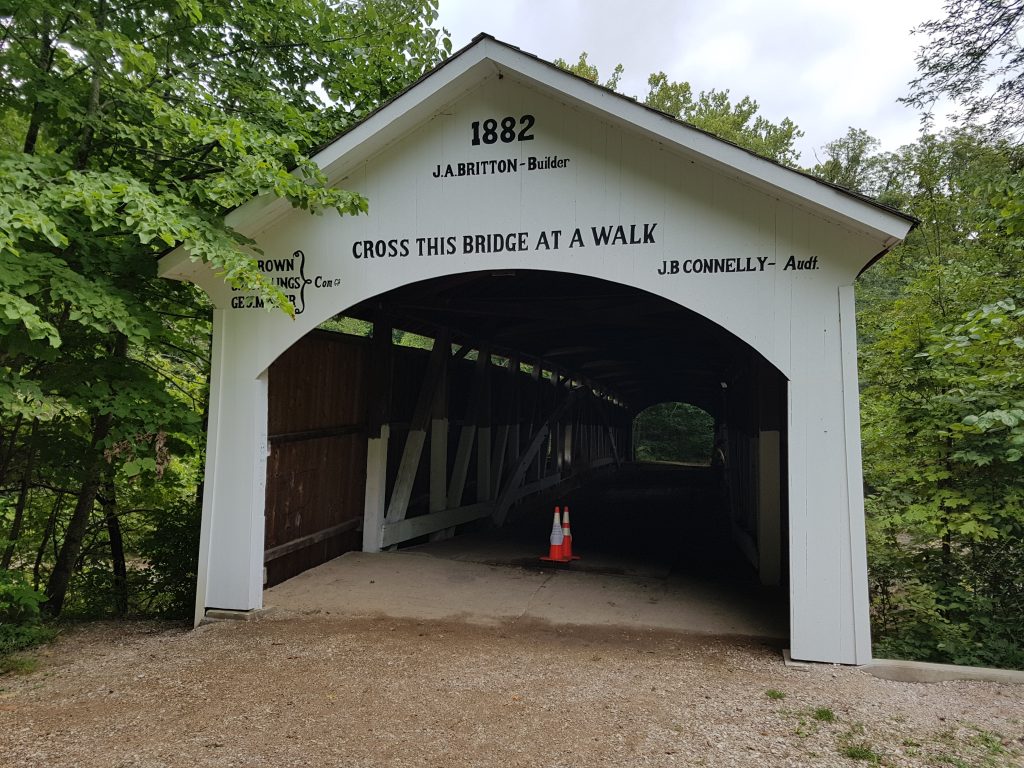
point(927, 672)
point(222, 614)
point(922, 671)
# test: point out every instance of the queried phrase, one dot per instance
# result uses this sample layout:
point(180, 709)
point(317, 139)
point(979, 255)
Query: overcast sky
point(826, 65)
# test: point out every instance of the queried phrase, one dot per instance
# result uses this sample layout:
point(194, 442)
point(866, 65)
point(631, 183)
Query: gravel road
point(315, 690)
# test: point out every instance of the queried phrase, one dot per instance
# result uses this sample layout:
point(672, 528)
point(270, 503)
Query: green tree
point(711, 111)
point(588, 71)
point(851, 162)
point(939, 385)
point(674, 432)
point(974, 57)
point(132, 127)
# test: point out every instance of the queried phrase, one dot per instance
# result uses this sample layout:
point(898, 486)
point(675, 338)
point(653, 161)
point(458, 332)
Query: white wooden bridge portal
point(573, 257)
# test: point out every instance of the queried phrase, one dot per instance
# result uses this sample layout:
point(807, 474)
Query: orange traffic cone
point(567, 538)
point(557, 537)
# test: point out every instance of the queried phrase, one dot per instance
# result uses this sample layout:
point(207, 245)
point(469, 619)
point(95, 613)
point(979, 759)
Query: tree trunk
point(60, 577)
point(44, 63)
point(8, 447)
point(92, 110)
point(51, 525)
point(120, 568)
point(71, 547)
point(19, 506)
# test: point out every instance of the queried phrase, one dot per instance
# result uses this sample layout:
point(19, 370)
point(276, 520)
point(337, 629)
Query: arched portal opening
point(679, 433)
point(456, 412)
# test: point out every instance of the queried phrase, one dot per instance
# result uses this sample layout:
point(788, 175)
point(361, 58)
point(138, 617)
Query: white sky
point(826, 65)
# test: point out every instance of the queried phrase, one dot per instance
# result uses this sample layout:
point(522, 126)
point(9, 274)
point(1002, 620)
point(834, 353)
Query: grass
point(860, 752)
point(857, 750)
point(16, 638)
point(992, 743)
point(17, 665)
point(809, 721)
point(771, 693)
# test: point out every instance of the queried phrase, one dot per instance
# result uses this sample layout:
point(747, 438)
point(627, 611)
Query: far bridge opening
point(679, 433)
point(450, 416)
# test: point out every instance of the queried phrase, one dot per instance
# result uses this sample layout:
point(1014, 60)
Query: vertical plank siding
point(316, 469)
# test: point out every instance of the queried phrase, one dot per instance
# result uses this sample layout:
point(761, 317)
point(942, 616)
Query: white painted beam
point(410, 528)
point(376, 489)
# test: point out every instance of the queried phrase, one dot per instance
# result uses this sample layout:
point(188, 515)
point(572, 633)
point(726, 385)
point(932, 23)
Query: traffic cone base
point(567, 550)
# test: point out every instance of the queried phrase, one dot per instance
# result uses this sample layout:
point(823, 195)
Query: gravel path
point(291, 690)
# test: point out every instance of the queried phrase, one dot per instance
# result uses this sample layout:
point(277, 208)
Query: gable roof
point(486, 56)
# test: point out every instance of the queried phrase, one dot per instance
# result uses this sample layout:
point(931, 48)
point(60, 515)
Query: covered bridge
point(569, 257)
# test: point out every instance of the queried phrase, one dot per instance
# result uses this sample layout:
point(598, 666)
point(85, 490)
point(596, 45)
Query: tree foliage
point(131, 127)
point(588, 71)
point(974, 57)
point(677, 432)
point(712, 111)
point(941, 342)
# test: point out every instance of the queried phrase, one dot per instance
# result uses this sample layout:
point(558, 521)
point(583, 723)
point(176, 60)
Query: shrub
point(20, 625)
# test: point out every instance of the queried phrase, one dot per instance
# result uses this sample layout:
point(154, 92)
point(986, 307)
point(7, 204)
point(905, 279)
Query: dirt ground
point(314, 690)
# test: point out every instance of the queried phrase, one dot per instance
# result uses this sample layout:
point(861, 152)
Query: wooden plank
point(316, 434)
point(439, 445)
point(565, 451)
point(483, 436)
point(515, 417)
point(536, 486)
point(403, 530)
point(307, 541)
point(538, 407)
point(769, 508)
point(460, 471)
point(610, 433)
point(413, 450)
point(498, 459)
point(376, 489)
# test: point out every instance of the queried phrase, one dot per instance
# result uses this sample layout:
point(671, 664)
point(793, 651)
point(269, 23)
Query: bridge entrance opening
point(451, 416)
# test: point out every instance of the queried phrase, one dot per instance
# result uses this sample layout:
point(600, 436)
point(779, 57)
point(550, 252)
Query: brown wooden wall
point(316, 471)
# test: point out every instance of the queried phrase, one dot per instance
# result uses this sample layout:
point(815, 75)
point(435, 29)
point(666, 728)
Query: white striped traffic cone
point(567, 538)
point(555, 554)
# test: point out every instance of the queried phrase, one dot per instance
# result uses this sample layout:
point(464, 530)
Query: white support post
point(233, 529)
point(378, 432)
point(854, 477)
point(829, 619)
point(376, 487)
